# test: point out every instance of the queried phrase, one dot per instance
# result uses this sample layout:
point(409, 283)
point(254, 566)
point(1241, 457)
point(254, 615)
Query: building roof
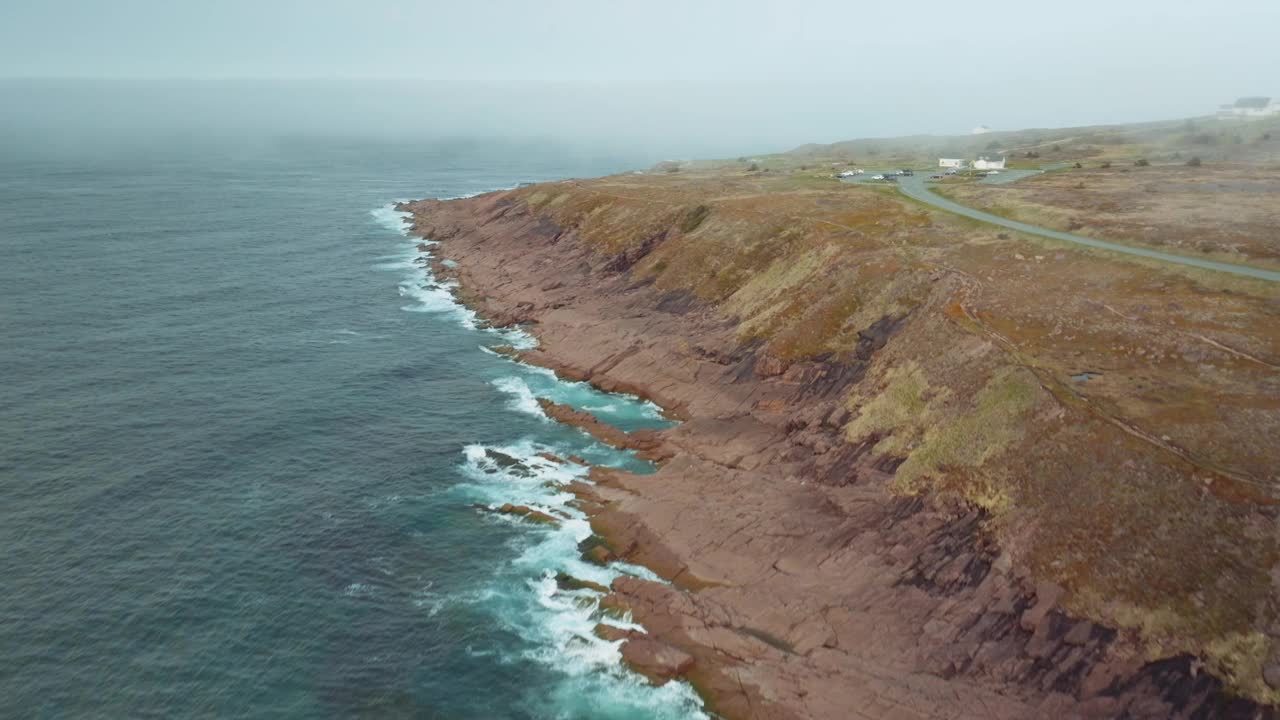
point(1253, 102)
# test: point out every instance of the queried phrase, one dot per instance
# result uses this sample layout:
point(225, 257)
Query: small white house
point(1250, 107)
point(951, 162)
point(981, 130)
point(986, 163)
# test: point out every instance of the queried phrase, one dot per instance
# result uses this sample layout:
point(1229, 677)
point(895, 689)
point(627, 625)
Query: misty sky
point(748, 71)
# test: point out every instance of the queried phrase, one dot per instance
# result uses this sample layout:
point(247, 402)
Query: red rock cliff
point(834, 553)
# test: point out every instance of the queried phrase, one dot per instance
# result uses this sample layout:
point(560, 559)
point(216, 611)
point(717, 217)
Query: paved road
point(1007, 176)
point(915, 187)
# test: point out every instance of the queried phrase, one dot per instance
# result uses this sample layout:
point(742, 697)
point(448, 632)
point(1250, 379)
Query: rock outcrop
point(810, 578)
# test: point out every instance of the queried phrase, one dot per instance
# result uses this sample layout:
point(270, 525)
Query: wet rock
point(595, 549)
point(656, 660)
point(565, 581)
point(614, 605)
point(646, 443)
point(551, 457)
point(611, 633)
point(509, 463)
point(528, 513)
point(599, 555)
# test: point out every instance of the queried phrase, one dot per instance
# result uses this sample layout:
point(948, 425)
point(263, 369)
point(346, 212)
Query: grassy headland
point(1116, 420)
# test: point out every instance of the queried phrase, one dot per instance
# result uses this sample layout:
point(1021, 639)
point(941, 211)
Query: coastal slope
point(925, 469)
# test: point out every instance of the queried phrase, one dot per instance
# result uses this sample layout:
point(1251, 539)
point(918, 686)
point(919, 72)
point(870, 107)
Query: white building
point(951, 162)
point(985, 163)
point(981, 130)
point(1250, 107)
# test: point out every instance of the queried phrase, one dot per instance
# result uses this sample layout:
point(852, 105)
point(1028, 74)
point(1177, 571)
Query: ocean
point(248, 443)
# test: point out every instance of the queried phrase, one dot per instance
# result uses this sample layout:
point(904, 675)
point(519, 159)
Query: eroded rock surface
point(805, 584)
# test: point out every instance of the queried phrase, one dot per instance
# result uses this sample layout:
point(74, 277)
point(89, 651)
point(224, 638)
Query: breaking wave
point(559, 623)
point(554, 623)
point(392, 219)
point(522, 398)
point(425, 292)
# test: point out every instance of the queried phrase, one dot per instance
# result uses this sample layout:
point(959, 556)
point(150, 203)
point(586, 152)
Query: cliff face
point(893, 494)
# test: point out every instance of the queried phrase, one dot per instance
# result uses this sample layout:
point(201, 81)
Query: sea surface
point(246, 444)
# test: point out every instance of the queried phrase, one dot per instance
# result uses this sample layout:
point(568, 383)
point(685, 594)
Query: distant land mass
point(927, 465)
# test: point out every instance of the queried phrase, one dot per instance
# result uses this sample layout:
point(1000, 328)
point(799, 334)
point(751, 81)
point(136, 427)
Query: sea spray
point(272, 505)
point(427, 293)
point(626, 411)
point(557, 624)
point(522, 398)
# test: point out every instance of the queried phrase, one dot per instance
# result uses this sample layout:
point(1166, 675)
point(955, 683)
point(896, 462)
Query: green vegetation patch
point(921, 422)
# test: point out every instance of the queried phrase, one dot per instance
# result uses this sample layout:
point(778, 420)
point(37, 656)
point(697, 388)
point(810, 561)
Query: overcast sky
point(746, 71)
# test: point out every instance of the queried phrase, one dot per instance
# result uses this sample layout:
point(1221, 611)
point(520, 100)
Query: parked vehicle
point(907, 173)
point(935, 177)
point(952, 172)
point(877, 177)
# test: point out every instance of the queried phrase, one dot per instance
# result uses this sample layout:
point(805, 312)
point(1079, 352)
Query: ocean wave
point(429, 295)
point(477, 193)
point(522, 398)
point(629, 412)
point(559, 623)
point(389, 217)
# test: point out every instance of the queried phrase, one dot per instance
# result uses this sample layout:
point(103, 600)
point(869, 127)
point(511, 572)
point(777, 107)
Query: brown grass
point(1147, 491)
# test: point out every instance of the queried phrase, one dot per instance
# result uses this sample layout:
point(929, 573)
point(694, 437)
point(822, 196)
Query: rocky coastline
point(801, 584)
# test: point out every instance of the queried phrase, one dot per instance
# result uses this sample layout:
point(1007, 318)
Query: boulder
point(612, 632)
point(656, 660)
point(528, 513)
point(565, 581)
point(1047, 597)
point(599, 555)
point(1271, 674)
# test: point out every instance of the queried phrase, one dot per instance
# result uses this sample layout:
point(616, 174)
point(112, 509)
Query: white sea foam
point(420, 285)
point(578, 393)
point(560, 623)
point(522, 398)
point(358, 590)
point(388, 217)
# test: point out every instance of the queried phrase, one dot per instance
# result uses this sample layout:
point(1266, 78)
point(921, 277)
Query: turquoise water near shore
point(245, 434)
